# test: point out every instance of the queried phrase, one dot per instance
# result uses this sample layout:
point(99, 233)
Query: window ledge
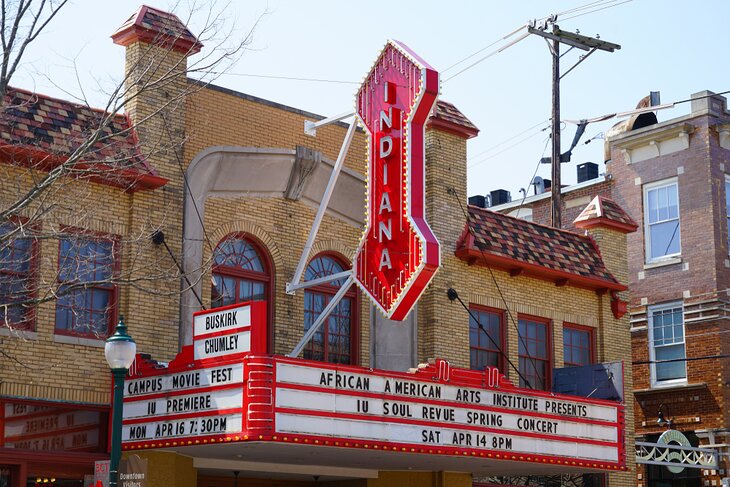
point(73, 340)
point(663, 262)
point(23, 334)
point(672, 387)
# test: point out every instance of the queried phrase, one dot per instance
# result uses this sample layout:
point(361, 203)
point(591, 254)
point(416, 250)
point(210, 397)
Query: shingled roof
point(43, 131)
point(603, 212)
point(522, 247)
point(448, 118)
point(155, 26)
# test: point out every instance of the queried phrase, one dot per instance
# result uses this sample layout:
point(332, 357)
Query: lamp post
point(119, 351)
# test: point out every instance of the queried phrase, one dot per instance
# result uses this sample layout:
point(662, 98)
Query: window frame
point(501, 362)
point(329, 290)
point(81, 233)
point(548, 345)
point(652, 353)
point(674, 181)
point(727, 211)
point(33, 275)
point(591, 342)
point(267, 278)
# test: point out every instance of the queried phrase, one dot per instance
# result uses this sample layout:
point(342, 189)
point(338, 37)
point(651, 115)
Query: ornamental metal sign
point(398, 253)
point(674, 451)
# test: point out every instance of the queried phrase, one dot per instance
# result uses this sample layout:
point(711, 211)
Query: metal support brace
point(322, 316)
point(291, 286)
point(310, 128)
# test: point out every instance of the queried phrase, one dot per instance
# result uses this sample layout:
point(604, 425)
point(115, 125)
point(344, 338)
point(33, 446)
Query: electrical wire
point(481, 327)
point(475, 156)
point(503, 38)
point(492, 156)
point(596, 10)
point(537, 167)
point(510, 317)
point(289, 78)
point(503, 48)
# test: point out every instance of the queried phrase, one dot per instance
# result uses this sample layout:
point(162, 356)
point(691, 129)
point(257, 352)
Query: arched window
point(336, 339)
point(241, 272)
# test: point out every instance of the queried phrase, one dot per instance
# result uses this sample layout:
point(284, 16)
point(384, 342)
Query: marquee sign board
point(398, 253)
point(437, 410)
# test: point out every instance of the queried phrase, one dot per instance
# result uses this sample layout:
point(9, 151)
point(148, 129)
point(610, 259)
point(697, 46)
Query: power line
point(469, 226)
point(475, 156)
point(484, 48)
point(289, 78)
point(596, 10)
point(537, 167)
point(503, 48)
point(452, 292)
point(492, 156)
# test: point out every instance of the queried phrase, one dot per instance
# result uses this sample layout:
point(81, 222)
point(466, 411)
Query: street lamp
point(119, 351)
point(661, 421)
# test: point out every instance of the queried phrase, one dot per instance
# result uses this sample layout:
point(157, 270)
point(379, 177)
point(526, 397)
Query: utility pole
point(585, 43)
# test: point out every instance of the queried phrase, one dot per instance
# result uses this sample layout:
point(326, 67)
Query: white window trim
point(727, 213)
point(652, 356)
point(647, 235)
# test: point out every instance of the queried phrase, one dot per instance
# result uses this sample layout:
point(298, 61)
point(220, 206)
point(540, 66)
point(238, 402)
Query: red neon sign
point(398, 253)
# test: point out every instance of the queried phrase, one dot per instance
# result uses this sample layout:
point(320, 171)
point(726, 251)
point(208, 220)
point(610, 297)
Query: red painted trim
point(354, 311)
point(81, 233)
point(603, 222)
point(533, 270)
point(548, 344)
point(177, 417)
point(267, 277)
point(129, 180)
point(135, 31)
point(430, 424)
point(183, 392)
point(436, 402)
point(591, 338)
point(502, 364)
point(453, 128)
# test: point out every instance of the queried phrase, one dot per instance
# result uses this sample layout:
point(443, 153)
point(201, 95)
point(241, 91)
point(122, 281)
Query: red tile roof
point(156, 26)
point(447, 117)
point(519, 246)
point(603, 212)
point(45, 131)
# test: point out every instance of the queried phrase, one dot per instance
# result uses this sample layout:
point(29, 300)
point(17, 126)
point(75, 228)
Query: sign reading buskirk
point(398, 254)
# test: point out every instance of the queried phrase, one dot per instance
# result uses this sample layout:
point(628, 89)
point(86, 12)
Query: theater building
point(462, 388)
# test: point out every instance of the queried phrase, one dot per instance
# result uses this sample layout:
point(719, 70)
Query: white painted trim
point(647, 240)
point(652, 356)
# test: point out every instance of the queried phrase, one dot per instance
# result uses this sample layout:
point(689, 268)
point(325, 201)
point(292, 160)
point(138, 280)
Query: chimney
point(499, 197)
point(478, 201)
point(587, 171)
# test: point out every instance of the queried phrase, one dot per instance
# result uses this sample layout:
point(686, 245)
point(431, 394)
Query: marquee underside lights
point(398, 253)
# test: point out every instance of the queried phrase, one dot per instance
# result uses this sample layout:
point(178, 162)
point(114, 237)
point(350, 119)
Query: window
point(727, 209)
point(240, 272)
point(335, 341)
point(661, 220)
point(577, 345)
point(17, 277)
point(87, 295)
point(666, 342)
point(483, 351)
point(534, 353)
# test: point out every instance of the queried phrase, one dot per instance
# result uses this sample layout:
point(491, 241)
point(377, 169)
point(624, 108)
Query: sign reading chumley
point(398, 253)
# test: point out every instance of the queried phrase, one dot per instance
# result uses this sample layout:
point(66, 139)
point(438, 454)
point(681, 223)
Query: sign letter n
point(398, 253)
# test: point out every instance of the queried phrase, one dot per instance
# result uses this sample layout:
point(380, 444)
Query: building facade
point(223, 189)
point(671, 179)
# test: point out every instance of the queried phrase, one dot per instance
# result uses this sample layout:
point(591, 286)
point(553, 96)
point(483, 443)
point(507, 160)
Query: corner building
point(239, 201)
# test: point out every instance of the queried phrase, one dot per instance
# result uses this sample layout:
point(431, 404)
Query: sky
point(673, 47)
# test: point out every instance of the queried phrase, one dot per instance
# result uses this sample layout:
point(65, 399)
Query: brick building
point(671, 177)
point(226, 186)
